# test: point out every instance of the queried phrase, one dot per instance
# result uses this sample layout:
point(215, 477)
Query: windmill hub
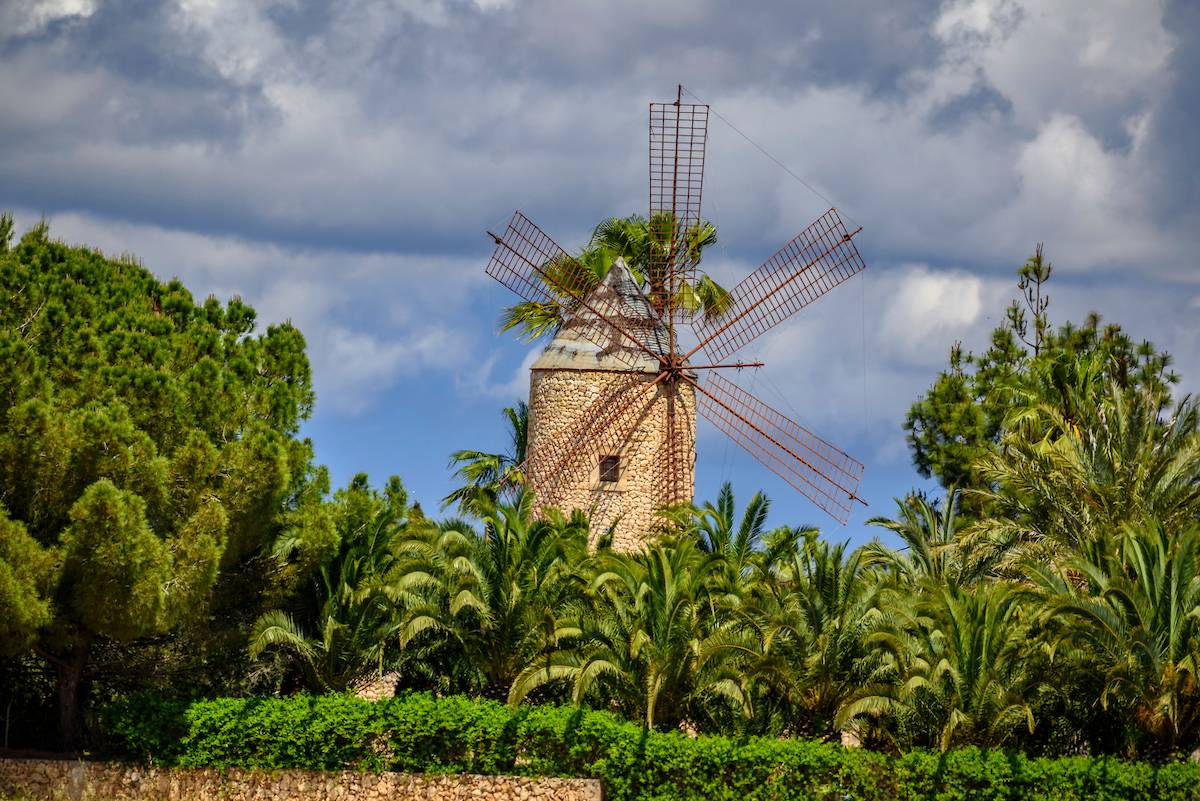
point(613, 401)
point(672, 368)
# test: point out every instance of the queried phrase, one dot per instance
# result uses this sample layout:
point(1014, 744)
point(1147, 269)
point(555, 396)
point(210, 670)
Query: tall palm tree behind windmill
point(614, 396)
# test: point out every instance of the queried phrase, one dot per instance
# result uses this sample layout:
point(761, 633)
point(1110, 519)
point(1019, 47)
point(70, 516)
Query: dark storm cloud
point(980, 100)
point(301, 21)
point(724, 47)
point(576, 45)
point(1176, 129)
point(467, 111)
point(154, 85)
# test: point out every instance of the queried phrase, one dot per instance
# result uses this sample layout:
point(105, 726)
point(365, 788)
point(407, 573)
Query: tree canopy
point(960, 418)
point(147, 442)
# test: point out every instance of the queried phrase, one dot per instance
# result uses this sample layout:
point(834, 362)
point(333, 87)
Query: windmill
point(621, 393)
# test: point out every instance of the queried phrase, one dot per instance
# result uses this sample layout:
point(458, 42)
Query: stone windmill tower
point(572, 383)
point(613, 399)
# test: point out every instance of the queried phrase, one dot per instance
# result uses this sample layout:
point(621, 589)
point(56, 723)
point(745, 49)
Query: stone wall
point(50, 780)
point(378, 688)
point(563, 403)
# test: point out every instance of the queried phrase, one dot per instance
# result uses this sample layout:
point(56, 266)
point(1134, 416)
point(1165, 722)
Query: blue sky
point(338, 164)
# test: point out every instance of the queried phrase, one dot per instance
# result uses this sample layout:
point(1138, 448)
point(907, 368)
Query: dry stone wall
point(51, 780)
point(564, 401)
point(378, 688)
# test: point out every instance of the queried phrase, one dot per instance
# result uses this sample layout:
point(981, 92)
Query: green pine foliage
point(148, 448)
point(959, 421)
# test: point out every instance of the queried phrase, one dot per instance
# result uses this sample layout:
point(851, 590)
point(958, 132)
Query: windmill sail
point(825, 475)
point(533, 266)
point(524, 260)
point(818, 259)
point(613, 400)
point(618, 300)
point(678, 137)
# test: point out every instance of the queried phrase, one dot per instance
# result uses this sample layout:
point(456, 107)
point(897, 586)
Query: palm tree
point(935, 549)
point(1116, 463)
point(649, 639)
point(742, 550)
point(1129, 608)
point(813, 623)
point(644, 246)
point(962, 672)
point(494, 598)
point(342, 638)
point(488, 475)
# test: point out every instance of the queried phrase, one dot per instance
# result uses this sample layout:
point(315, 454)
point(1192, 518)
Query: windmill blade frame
point(823, 473)
point(671, 459)
point(678, 140)
point(532, 265)
point(614, 388)
point(816, 260)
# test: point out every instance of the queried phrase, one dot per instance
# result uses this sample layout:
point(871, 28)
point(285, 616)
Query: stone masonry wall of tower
point(557, 399)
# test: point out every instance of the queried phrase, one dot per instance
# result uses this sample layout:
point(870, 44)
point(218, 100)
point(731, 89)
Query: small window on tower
point(610, 469)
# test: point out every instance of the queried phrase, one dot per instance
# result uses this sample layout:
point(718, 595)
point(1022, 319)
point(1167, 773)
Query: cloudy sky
point(337, 164)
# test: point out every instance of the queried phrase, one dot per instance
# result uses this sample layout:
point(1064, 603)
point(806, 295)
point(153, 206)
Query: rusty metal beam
point(826, 257)
point(732, 366)
point(678, 139)
point(825, 475)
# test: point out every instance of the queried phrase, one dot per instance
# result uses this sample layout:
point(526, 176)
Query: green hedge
point(419, 733)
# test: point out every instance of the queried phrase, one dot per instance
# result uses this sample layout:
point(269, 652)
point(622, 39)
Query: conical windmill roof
point(620, 299)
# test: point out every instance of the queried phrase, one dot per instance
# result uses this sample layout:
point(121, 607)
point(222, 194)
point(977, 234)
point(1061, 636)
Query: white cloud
point(1081, 57)
point(518, 384)
point(1089, 202)
point(515, 387)
point(353, 369)
point(360, 362)
point(23, 18)
point(238, 40)
point(973, 19)
point(304, 302)
point(925, 309)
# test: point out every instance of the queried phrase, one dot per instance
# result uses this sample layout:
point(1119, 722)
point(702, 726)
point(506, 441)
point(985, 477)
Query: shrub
point(418, 733)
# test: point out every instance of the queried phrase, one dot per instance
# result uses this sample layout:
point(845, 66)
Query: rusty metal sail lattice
point(533, 266)
point(827, 476)
point(819, 258)
point(678, 140)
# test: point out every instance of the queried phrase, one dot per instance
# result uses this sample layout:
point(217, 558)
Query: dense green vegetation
point(460, 735)
point(959, 424)
point(147, 458)
point(163, 529)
